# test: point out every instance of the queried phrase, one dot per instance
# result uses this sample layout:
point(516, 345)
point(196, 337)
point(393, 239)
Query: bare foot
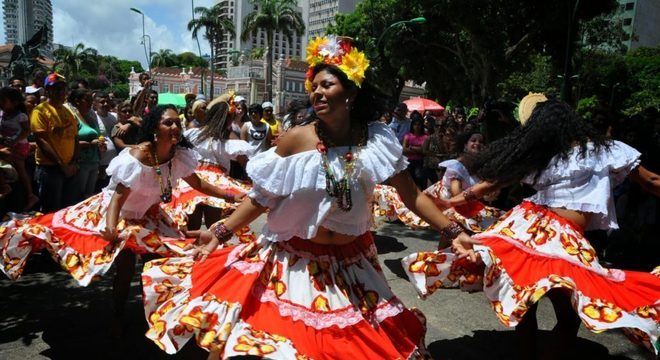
point(31, 201)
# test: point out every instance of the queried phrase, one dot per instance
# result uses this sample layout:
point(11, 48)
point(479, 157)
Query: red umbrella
point(421, 105)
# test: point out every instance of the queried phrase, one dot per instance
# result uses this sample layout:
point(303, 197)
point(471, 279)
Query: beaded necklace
point(165, 192)
point(338, 189)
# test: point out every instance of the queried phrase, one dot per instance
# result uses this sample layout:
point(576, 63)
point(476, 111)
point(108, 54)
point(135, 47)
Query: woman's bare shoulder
point(296, 140)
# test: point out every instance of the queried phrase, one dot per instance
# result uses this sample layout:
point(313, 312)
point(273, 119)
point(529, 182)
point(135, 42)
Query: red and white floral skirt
point(185, 199)
point(72, 236)
point(532, 250)
point(281, 300)
point(388, 206)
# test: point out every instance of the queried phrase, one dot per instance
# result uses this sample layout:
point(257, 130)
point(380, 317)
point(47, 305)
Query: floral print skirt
point(532, 250)
point(185, 199)
point(73, 238)
point(281, 300)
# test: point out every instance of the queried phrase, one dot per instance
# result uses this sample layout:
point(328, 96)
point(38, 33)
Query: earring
point(348, 105)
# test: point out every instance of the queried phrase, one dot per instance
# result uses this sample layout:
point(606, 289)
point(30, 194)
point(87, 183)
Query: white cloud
point(113, 29)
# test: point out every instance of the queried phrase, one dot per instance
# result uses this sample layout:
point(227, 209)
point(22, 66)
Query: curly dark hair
point(369, 104)
point(553, 129)
point(217, 122)
point(150, 124)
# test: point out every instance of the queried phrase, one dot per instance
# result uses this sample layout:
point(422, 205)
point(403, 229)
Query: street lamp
point(143, 36)
point(379, 44)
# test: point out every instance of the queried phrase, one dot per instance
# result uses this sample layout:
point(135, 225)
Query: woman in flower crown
point(538, 248)
point(216, 145)
point(311, 285)
point(123, 220)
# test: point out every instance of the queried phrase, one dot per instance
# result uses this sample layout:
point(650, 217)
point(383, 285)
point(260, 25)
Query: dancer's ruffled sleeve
point(235, 148)
point(183, 163)
point(274, 176)
point(125, 169)
point(383, 157)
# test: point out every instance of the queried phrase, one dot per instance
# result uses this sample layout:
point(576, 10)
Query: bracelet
point(451, 231)
point(221, 232)
point(469, 195)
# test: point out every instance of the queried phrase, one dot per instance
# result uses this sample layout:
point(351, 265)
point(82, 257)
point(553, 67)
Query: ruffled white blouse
point(217, 152)
point(455, 170)
point(293, 187)
point(585, 183)
point(143, 181)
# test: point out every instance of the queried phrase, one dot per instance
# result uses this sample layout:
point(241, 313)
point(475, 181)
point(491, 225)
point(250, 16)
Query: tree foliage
point(465, 48)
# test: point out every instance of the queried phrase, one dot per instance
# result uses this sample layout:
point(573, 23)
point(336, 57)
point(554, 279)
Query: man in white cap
point(268, 118)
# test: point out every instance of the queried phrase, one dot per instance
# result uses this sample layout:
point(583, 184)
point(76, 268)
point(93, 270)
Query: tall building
point(321, 13)
point(231, 47)
point(640, 20)
point(23, 18)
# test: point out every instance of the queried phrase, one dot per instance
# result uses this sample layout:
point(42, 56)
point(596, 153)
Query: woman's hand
point(111, 236)
point(204, 244)
point(463, 246)
point(443, 204)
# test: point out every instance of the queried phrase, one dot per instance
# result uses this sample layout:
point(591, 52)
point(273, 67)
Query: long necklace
point(338, 189)
point(165, 191)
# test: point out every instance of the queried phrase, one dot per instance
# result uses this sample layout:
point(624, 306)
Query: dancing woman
point(311, 285)
point(538, 247)
point(85, 238)
point(216, 145)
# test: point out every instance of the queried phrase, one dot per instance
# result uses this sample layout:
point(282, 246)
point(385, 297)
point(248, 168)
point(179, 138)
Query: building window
point(627, 21)
point(630, 6)
point(166, 87)
point(176, 89)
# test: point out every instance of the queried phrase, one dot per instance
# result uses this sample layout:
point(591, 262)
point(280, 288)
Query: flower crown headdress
point(338, 51)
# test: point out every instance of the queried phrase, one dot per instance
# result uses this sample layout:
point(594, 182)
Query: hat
point(53, 79)
point(200, 97)
point(527, 105)
point(267, 104)
point(239, 99)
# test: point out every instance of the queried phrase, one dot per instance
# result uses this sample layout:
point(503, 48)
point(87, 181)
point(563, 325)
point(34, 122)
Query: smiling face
point(329, 96)
point(169, 127)
point(474, 144)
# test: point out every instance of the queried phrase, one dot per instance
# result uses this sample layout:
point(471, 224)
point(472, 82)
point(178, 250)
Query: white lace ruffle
point(379, 160)
point(281, 176)
point(184, 163)
point(125, 169)
point(618, 161)
point(236, 148)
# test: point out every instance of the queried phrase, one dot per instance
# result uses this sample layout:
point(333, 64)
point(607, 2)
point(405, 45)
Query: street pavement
point(45, 315)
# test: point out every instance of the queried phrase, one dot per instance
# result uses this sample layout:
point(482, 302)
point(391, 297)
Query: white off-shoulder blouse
point(217, 152)
point(585, 183)
point(143, 180)
point(293, 187)
point(455, 170)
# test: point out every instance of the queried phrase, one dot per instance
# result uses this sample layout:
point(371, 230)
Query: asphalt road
point(45, 315)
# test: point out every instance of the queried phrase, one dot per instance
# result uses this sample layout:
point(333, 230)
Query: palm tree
point(272, 16)
point(69, 60)
point(164, 57)
point(215, 23)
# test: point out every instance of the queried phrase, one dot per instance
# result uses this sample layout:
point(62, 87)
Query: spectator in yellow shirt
point(268, 118)
point(56, 134)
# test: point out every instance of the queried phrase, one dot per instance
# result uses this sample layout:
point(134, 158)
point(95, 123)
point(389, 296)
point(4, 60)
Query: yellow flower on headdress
point(313, 48)
point(336, 51)
point(354, 65)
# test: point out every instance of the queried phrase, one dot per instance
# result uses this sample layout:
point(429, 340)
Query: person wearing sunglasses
point(129, 137)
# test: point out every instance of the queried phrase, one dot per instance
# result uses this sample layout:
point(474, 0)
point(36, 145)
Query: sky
point(110, 27)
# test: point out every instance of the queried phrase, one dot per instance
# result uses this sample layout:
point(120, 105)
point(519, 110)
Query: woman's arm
point(202, 186)
point(475, 192)
point(455, 187)
point(112, 214)
point(424, 207)
point(208, 240)
point(649, 181)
